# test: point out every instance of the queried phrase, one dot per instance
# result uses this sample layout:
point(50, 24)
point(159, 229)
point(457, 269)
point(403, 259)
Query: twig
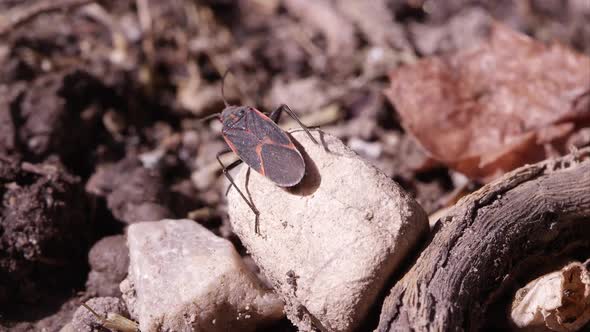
point(113, 321)
point(22, 14)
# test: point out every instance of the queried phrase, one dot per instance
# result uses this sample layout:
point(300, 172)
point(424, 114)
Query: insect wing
point(283, 165)
point(281, 161)
point(265, 129)
point(244, 143)
point(266, 148)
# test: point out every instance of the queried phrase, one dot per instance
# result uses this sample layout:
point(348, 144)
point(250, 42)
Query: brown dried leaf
point(496, 106)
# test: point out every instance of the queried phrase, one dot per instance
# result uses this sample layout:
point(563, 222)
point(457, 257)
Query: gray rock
point(329, 244)
point(109, 261)
point(183, 278)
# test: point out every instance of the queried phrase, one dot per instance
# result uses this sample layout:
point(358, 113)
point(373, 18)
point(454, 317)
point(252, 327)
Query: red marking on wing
point(230, 144)
point(259, 154)
point(262, 115)
point(244, 145)
point(263, 127)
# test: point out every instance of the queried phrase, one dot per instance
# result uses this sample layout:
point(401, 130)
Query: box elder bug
point(261, 144)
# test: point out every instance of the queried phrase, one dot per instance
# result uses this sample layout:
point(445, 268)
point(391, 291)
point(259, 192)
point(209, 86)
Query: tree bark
point(489, 237)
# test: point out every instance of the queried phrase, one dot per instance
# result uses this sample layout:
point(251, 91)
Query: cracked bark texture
point(489, 237)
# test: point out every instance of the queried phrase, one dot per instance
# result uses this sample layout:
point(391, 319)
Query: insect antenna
point(214, 115)
point(223, 85)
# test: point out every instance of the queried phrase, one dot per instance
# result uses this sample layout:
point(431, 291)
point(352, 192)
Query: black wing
point(266, 148)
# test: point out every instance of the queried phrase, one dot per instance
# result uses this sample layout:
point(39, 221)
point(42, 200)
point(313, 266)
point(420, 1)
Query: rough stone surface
point(85, 321)
point(109, 262)
point(183, 278)
point(329, 244)
point(133, 193)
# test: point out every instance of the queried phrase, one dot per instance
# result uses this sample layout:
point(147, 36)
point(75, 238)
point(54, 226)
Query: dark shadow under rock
point(44, 230)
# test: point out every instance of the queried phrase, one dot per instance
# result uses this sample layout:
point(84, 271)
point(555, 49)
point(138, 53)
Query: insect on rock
point(261, 144)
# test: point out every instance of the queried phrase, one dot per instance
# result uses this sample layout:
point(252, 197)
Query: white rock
point(184, 278)
point(329, 244)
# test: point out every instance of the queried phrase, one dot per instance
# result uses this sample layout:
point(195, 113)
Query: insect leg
point(231, 181)
point(276, 114)
point(230, 166)
point(256, 222)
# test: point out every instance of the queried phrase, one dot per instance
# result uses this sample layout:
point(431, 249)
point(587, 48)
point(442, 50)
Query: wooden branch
point(486, 239)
